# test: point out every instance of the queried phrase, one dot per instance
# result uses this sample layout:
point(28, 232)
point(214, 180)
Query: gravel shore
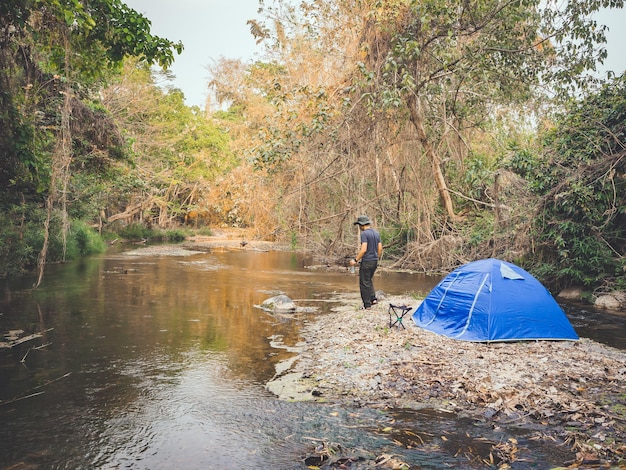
point(574, 391)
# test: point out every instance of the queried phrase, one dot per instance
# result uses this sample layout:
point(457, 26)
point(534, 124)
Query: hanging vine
point(61, 162)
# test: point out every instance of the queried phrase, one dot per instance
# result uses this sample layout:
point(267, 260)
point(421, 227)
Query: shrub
point(140, 232)
point(88, 241)
point(135, 232)
point(16, 255)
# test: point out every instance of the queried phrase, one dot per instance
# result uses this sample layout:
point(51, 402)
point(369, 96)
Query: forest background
point(463, 129)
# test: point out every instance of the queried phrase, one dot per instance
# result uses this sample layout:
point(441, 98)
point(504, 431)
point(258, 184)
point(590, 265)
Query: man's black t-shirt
point(372, 238)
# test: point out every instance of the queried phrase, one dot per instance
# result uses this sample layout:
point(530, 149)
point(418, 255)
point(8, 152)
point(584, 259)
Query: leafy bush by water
point(21, 244)
point(140, 232)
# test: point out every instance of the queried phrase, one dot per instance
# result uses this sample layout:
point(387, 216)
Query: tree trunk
point(417, 118)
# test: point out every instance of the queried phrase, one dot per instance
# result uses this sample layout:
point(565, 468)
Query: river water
point(157, 358)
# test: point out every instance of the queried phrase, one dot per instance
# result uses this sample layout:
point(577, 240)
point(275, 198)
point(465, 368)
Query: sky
point(210, 29)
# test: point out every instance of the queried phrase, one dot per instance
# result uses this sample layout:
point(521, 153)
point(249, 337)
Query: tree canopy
point(465, 130)
point(415, 112)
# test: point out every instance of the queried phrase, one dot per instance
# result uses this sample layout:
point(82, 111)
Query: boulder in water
point(279, 304)
point(611, 301)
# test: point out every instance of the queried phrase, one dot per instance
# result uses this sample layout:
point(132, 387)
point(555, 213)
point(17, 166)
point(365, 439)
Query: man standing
point(369, 253)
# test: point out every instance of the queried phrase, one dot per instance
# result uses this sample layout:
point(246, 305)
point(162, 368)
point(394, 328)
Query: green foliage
point(233, 114)
point(175, 235)
point(88, 241)
point(139, 232)
point(16, 254)
point(475, 175)
point(294, 240)
point(204, 231)
point(81, 240)
point(480, 231)
point(177, 152)
point(21, 243)
point(581, 225)
point(52, 50)
point(394, 239)
point(426, 57)
point(183, 145)
point(522, 162)
point(102, 33)
point(23, 145)
point(135, 232)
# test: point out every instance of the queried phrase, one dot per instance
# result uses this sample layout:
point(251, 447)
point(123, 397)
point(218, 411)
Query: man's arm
point(362, 251)
point(360, 254)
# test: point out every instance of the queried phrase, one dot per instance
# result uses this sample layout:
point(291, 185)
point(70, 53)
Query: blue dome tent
point(492, 300)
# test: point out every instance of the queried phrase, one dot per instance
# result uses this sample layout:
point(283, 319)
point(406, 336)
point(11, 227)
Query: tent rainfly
point(492, 300)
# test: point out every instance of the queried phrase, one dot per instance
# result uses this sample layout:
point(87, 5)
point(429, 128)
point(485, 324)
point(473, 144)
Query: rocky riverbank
point(569, 392)
point(572, 392)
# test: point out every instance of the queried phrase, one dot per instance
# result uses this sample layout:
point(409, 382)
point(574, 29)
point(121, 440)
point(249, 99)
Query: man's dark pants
point(366, 285)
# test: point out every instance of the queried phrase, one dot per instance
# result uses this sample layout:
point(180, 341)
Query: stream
point(157, 357)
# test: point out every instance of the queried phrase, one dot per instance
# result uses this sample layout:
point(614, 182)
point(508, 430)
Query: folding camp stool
point(396, 315)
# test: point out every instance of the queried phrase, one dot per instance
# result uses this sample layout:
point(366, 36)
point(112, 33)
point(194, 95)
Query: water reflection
point(604, 327)
point(157, 358)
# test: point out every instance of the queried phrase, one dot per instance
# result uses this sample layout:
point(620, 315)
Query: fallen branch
point(21, 398)
point(35, 348)
point(13, 343)
point(31, 395)
point(132, 210)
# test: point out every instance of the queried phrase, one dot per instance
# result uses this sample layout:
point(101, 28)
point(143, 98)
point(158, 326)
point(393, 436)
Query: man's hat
point(363, 220)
